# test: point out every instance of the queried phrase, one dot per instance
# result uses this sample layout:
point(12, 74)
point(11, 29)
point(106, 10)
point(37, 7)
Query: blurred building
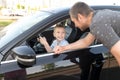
point(37, 4)
point(30, 6)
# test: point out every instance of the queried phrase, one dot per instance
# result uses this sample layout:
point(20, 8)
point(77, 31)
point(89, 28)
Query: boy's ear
point(54, 34)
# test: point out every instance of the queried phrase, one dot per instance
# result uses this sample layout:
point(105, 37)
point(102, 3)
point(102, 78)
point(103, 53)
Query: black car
point(19, 49)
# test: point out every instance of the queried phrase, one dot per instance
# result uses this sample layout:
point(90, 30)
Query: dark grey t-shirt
point(106, 27)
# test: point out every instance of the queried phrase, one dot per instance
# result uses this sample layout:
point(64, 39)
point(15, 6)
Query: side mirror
point(25, 56)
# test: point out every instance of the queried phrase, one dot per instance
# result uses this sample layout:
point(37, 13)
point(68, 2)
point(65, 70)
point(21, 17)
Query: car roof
point(99, 7)
point(55, 10)
point(60, 9)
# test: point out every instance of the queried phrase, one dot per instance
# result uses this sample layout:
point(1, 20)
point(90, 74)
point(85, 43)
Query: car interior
point(71, 36)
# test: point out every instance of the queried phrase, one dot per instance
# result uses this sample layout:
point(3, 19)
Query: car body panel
point(50, 58)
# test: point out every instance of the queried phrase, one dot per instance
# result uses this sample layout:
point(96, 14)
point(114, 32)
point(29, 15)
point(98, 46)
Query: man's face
point(81, 22)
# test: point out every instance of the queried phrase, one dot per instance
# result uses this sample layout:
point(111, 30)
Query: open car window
point(48, 34)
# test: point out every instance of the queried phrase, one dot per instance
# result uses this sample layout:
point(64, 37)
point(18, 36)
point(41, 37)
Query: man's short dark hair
point(80, 8)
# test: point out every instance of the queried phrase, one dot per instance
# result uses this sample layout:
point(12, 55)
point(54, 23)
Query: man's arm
point(82, 43)
point(115, 50)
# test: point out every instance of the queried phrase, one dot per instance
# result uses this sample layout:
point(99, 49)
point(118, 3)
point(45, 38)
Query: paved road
point(9, 17)
point(1, 28)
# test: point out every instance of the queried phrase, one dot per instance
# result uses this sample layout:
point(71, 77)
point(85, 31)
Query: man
point(104, 26)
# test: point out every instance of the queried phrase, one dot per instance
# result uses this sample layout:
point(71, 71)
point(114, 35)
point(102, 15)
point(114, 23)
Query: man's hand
point(59, 49)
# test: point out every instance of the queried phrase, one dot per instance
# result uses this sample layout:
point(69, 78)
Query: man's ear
point(79, 17)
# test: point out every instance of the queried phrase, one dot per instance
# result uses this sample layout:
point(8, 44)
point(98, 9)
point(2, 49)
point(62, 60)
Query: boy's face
point(59, 33)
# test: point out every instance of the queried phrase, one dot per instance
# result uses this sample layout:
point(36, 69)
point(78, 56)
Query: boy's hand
point(42, 40)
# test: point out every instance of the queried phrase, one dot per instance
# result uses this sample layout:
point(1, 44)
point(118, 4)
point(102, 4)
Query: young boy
point(59, 34)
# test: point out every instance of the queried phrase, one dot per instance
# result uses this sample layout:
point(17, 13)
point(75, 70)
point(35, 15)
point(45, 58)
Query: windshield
point(23, 24)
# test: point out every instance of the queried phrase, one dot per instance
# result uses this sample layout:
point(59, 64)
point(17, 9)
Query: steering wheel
point(38, 47)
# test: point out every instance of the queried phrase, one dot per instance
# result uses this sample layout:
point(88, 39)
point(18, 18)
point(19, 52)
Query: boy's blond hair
point(59, 26)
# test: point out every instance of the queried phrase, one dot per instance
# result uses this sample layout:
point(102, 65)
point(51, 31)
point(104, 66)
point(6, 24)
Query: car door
point(53, 66)
point(49, 61)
